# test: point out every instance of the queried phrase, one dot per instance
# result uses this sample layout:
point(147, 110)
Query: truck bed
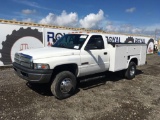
point(120, 54)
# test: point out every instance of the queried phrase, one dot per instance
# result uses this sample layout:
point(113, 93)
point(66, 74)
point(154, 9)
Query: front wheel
point(131, 71)
point(63, 85)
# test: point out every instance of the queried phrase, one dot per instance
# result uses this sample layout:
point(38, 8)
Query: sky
point(124, 16)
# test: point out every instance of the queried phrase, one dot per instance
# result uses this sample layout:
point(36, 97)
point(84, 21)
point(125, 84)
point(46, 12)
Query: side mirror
point(89, 47)
point(86, 48)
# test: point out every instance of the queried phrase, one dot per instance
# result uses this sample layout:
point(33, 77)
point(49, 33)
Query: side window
point(95, 42)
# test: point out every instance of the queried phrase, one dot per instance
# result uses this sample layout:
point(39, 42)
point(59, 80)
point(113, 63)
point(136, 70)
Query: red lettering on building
point(24, 46)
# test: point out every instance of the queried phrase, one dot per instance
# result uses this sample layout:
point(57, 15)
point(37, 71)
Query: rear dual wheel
point(131, 71)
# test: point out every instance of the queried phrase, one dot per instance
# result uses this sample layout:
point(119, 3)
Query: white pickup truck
point(77, 55)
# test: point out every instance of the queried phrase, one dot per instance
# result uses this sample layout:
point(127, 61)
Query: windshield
point(71, 41)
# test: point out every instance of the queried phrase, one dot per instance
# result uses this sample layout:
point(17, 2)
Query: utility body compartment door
point(94, 59)
point(121, 54)
point(118, 58)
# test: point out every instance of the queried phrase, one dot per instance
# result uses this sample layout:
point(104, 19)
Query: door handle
point(105, 53)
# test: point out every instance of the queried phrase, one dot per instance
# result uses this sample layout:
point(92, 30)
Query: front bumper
point(32, 75)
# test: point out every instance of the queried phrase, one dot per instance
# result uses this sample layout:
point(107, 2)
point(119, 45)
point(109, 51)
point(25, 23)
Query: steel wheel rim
point(66, 85)
point(132, 71)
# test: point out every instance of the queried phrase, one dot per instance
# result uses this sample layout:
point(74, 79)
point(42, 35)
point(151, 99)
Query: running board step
point(91, 78)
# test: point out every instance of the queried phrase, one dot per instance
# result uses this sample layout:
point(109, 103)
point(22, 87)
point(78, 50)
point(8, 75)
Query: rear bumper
point(32, 75)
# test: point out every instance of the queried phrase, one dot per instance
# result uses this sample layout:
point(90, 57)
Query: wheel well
point(135, 60)
point(66, 67)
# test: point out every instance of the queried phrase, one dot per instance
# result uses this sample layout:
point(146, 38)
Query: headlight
point(41, 66)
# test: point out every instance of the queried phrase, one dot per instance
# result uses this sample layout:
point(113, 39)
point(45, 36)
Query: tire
point(15, 36)
point(63, 85)
point(131, 71)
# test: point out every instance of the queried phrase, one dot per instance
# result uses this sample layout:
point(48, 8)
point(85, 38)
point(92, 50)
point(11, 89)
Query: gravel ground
point(111, 98)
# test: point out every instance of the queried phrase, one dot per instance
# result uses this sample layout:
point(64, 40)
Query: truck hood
point(49, 52)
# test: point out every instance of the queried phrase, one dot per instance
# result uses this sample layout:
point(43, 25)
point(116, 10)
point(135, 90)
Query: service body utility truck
point(77, 55)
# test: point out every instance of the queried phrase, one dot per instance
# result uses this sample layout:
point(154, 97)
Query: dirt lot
point(111, 98)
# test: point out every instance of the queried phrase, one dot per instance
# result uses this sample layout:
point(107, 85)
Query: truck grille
point(24, 60)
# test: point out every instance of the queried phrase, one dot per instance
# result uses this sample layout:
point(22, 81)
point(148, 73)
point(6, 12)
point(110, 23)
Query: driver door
point(94, 59)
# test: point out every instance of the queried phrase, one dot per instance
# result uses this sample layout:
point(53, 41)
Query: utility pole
point(156, 38)
point(155, 33)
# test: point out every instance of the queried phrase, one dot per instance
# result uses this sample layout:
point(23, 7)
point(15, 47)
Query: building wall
point(17, 36)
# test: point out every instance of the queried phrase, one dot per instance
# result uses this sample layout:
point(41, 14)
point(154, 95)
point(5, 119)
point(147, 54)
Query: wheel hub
point(66, 85)
point(132, 71)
